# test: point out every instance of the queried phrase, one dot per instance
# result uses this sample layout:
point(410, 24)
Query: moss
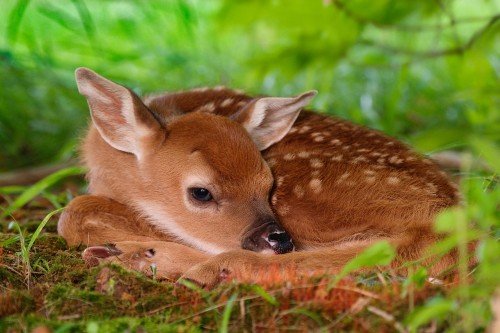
point(16, 301)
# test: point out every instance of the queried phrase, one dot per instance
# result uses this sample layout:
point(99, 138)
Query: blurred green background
point(425, 71)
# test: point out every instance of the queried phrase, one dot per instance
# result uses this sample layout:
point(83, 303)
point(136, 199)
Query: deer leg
point(162, 259)
point(95, 220)
point(246, 264)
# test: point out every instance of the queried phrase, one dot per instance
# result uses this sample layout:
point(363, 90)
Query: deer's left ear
point(269, 119)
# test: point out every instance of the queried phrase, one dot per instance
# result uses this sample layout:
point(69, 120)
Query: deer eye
point(201, 194)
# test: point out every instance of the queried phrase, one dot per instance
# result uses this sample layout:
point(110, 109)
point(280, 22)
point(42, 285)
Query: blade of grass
point(12, 189)
point(226, 315)
point(265, 295)
point(40, 186)
point(40, 228)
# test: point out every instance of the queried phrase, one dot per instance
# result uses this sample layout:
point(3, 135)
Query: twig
point(161, 308)
point(387, 317)
point(414, 28)
point(436, 53)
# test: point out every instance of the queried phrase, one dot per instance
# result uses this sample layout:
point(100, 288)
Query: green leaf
point(488, 151)
point(447, 220)
point(381, 253)
point(40, 186)
point(437, 308)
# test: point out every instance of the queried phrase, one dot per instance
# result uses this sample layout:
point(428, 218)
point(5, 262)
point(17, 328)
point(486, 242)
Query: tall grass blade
point(40, 186)
point(40, 228)
point(226, 315)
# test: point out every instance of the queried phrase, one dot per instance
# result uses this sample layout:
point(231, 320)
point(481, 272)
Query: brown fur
point(338, 188)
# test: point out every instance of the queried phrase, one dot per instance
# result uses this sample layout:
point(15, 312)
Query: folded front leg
point(163, 259)
point(96, 220)
point(251, 265)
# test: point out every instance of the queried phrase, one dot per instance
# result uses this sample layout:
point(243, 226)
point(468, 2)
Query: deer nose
point(280, 241)
point(268, 238)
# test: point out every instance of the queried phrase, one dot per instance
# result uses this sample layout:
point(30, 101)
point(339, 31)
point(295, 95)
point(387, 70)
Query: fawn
point(206, 182)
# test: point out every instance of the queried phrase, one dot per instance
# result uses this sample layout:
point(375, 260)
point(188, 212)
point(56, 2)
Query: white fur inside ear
point(271, 118)
point(113, 112)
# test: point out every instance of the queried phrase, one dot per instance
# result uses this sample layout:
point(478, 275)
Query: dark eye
point(201, 194)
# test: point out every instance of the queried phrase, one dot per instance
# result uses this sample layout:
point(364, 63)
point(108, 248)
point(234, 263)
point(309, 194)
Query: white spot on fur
point(369, 172)
point(336, 158)
point(316, 163)
point(209, 107)
point(274, 199)
point(336, 142)
point(219, 88)
point(304, 129)
point(319, 138)
point(279, 181)
point(299, 191)
point(293, 130)
point(395, 160)
point(359, 159)
point(343, 177)
point(225, 103)
point(315, 134)
point(315, 185)
point(363, 150)
point(432, 188)
point(304, 154)
point(392, 180)
point(370, 180)
point(389, 143)
point(272, 162)
point(289, 157)
point(283, 209)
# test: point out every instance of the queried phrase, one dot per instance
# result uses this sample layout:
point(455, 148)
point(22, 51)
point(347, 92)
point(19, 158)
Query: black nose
point(268, 237)
point(280, 241)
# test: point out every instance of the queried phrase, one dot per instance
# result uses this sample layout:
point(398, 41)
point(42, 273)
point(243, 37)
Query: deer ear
point(269, 119)
point(121, 118)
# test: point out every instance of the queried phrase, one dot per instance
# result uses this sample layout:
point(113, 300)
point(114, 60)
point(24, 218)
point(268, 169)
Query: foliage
point(422, 70)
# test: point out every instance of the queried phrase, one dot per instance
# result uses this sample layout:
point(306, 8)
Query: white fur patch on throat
point(163, 221)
